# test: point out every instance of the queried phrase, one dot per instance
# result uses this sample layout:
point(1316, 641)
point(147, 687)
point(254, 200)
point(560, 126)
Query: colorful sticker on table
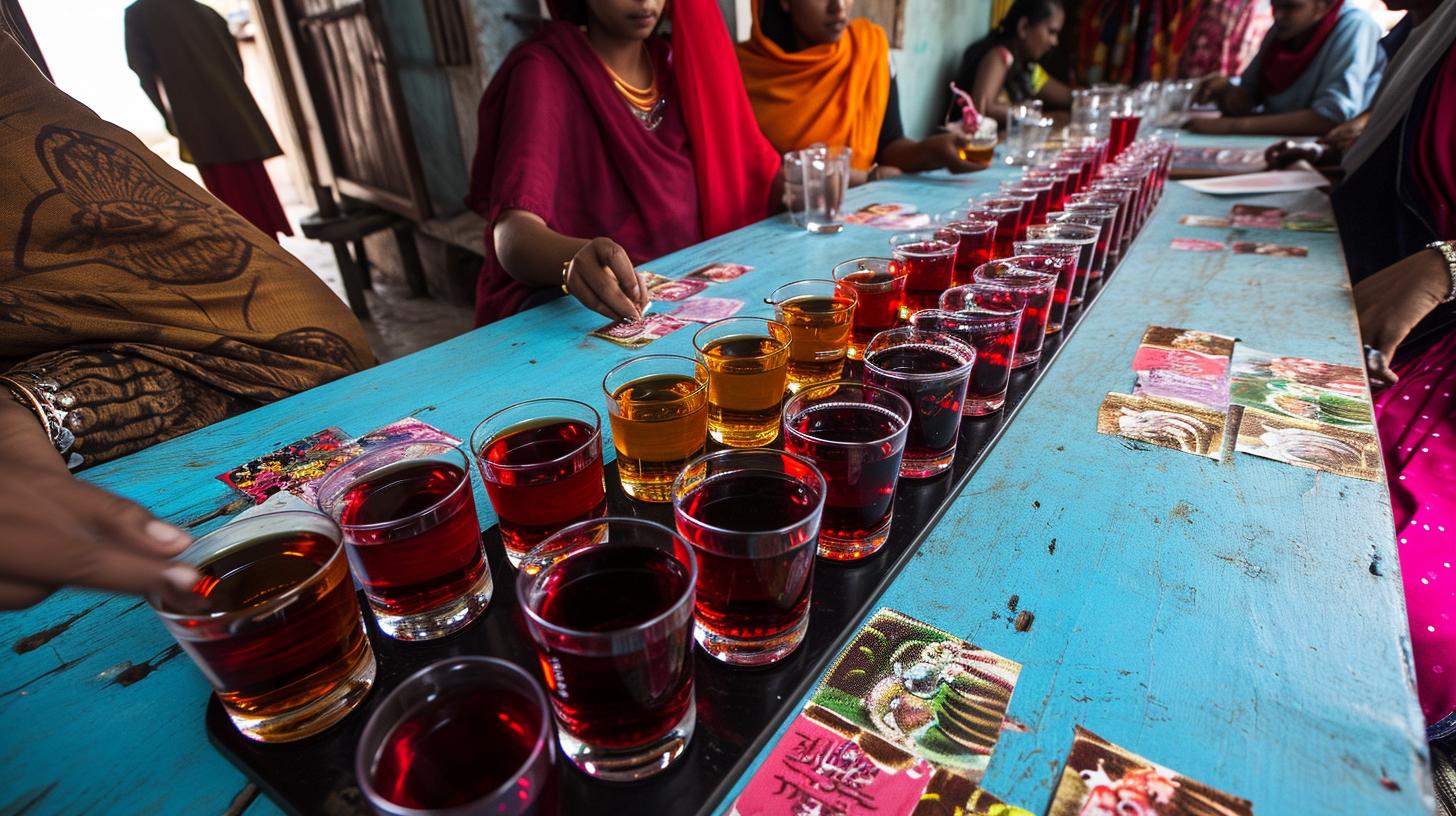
point(291, 466)
point(1206, 221)
point(889, 217)
point(1309, 444)
point(1190, 339)
point(677, 289)
point(1166, 423)
point(1272, 250)
point(1309, 222)
point(408, 429)
point(1302, 389)
point(706, 310)
point(1253, 216)
point(638, 333)
point(1103, 779)
point(1197, 245)
point(719, 272)
point(1210, 392)
point(651, 279)
point(1181, 361)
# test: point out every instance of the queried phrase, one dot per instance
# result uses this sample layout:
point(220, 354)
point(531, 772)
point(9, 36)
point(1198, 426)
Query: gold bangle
point(566, 275)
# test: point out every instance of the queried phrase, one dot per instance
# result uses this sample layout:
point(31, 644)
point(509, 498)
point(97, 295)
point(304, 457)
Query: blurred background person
point(1002, 68)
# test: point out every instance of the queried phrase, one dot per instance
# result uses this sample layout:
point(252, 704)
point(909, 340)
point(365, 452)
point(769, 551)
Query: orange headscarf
point(835, 93)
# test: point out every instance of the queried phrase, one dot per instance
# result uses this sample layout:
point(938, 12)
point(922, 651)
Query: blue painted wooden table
point(1226, 620)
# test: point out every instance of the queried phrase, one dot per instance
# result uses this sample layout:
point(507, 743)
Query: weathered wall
point(936, 32)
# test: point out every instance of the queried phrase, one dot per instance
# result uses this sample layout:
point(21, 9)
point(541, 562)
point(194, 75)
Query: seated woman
point(1001, 70)
point(1318, 67)
point(1397, 214)
point(603, 145)
point(814, 75)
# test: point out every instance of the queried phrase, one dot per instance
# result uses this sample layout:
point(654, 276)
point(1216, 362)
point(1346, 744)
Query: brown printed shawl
point(158, 309)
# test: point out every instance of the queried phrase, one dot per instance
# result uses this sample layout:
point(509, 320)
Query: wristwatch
point(1448, 251)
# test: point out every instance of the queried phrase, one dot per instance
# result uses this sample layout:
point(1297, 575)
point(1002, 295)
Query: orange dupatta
point(835, 94)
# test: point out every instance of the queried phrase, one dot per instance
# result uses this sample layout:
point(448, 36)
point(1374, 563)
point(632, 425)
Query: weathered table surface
point(1240, 622)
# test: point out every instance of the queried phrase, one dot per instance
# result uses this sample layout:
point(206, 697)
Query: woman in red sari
point(604, 144)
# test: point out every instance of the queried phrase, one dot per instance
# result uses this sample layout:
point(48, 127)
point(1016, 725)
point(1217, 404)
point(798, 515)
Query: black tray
point(738, 709)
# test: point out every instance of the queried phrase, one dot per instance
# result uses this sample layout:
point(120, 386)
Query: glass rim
point(966, 352)
point(1042, 278)
point(697, 365)
point(892, 267)
point(1054, 245)
point(523, 578)
point(908, 413)
point(363, 766)
point(820, 499)
point(1015, 311)
point(596, 434)
point(1056, 226)
point(984, 225)
point(268, 606)
point(767, 322)
point(900, 239)
point(835, 284)
point(336, 475)
point(987, 316)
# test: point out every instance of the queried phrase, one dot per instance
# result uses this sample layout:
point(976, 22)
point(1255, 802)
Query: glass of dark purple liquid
point(1063, 256)
point(855, 435)
point(412, 535)
point(609, 604)
point(467, 736)
point(753, 519)
point(991, 332)
point(1005, 285)
point(931, 371)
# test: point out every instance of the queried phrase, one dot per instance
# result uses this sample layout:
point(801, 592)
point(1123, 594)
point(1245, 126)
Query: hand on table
point(603, 278)
point(1211, 88)
point(1212, 125)
point(947, 150)
point(1391, 302)
point(61, 531)
point(1282, 154)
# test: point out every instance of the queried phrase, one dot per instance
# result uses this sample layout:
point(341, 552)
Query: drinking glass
point(826, 181)
point(794, 200)
point(658, 408)
point(990, 331)
point(1022, 131)
point(931, 371)
point(748, 366)
point(753, 518)
point(879, 286)
point(464, 736)
point(1040, 188)
point(541, 462)
point(412, 536)
point(928, 258)
point(1007, 213)
point(282, 642)
point(819, 314)
point(1123, 122)
point(1100, 217)
point(1066, 255)
point(1073, 229)
point(1007, 285)
point(977, 242)
point(855, 435)
point(1105, 208)
point(1125, 196)
point(609, 605)
point(976, 146)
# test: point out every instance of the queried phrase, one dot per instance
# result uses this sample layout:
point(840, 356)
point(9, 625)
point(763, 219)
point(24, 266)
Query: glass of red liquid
point(1066, 255)
point(931, 371)
point(1093, 205)
point(1008, 285)
point(1028, 206)
point(282, 641)
point(928, 258)
point(466, 736)
point(753, 519)
point(879, 286)
point(609, 605)
point(1009, 218)
point(412, 535)
point(991, 332)
point(1126, 194)
point(1041, 188)
point(977, 242)
point(541, 462)
point(1080, 230)
point(855, 435)
point(1046, 175)
point(1123, 126)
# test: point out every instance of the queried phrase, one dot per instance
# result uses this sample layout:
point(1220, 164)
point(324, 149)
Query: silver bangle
point(51, 406)
point(1448, 251)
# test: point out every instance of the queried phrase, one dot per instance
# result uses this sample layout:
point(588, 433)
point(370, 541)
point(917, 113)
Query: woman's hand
point(61, 531)
point(1282, 154)
point(1212, 125)
point(603, 278)
point(1391, 302)
point(1211, 88)
point(946, 149)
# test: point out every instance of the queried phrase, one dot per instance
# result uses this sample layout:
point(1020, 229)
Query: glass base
point(442, 620)
point(851, 549)
point(655, 492)
point(1053, 328)
point(1022, 359)
point(318, 714)
point(751, 651)
point(823, 229)
point(981, 407)
point(747, 438)
point(630, 764)
point(926, 468)
point(1073, 302)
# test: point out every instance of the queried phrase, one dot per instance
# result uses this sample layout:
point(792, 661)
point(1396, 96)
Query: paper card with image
point(706, 310)
point(1301, 389)
point(893, 217)
point(1181, 361)
point(291, 466)
point(1197, 245)
point(1307, 444)
point(1212, 392)
point(651, 279)
point(1206, 221)
point(1272, 250)
point(1251, 216)
point(638, 333)
point(1103, 779)
point(719, 272)
point(1309, 222)
point(672, 290)
point(1190, 339)
point(1163, 422)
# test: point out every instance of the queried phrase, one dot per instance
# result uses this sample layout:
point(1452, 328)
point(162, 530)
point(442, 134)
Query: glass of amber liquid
point(819, 314)
point(658, 408)
point(282, 642)
point(748, 366)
